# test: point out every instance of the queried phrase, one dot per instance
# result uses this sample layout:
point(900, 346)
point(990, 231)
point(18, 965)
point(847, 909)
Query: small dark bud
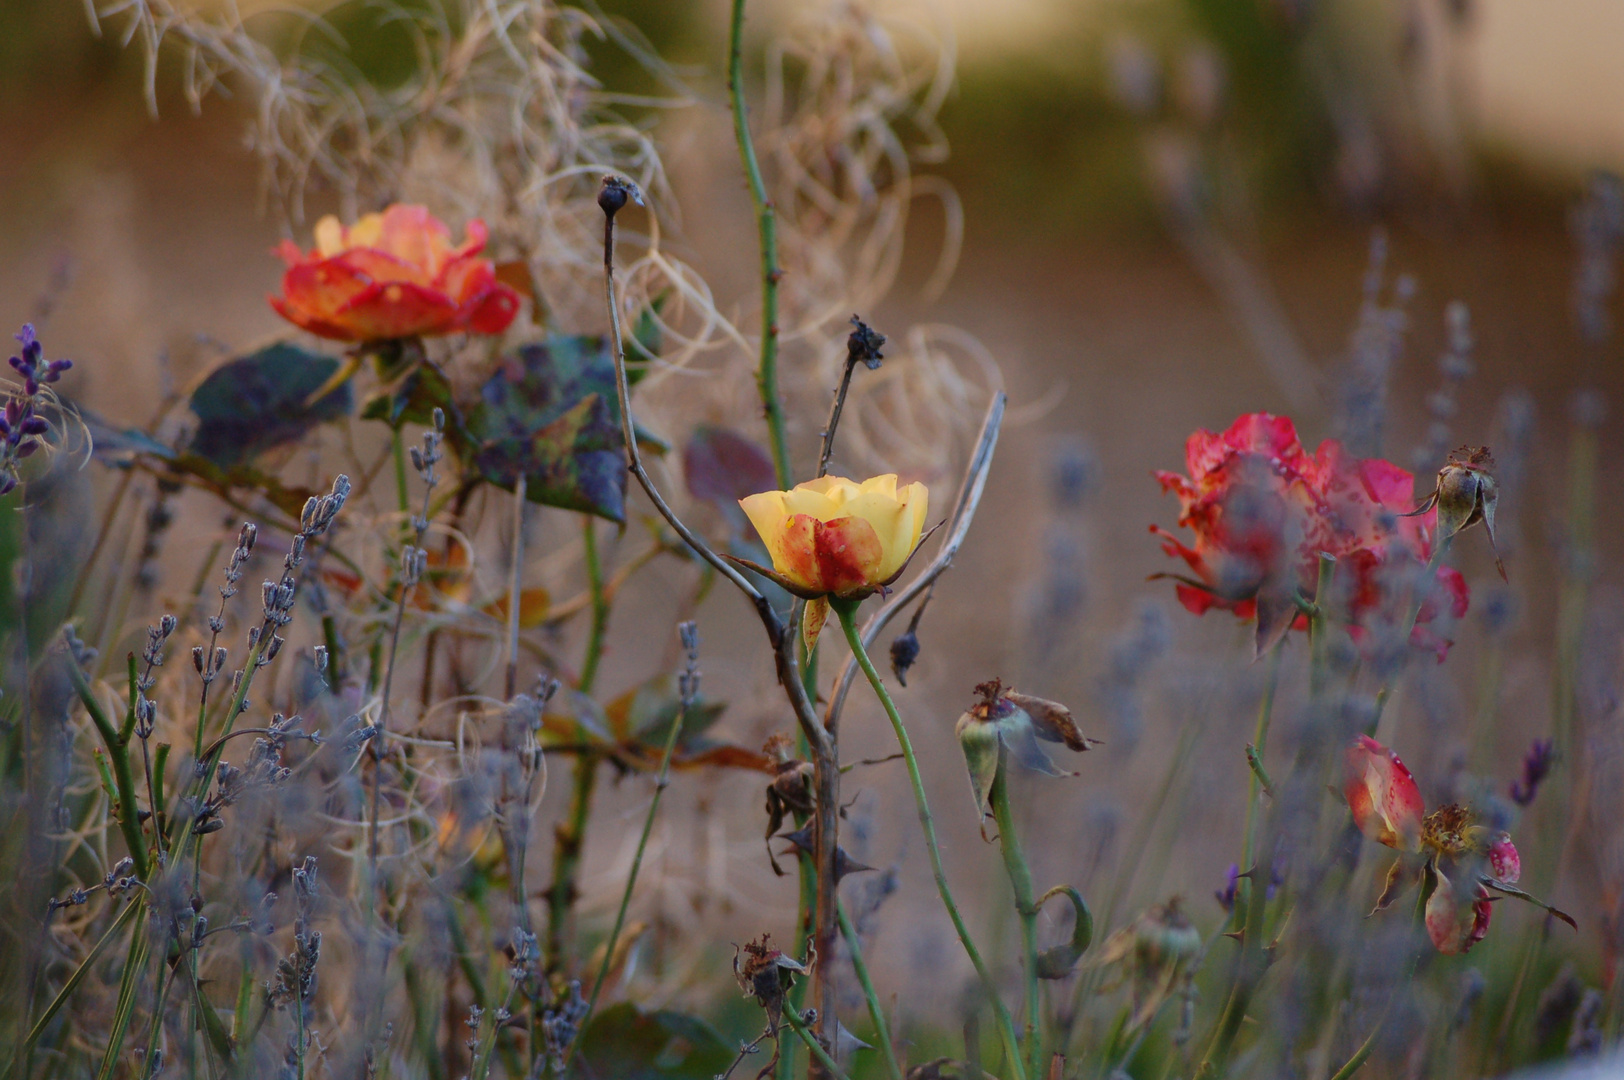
point(614, 194)
point(904, 652)
point(864, 343)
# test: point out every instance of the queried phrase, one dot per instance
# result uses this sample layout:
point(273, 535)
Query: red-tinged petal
point(305, 321)
point(795, 553)
point(1388, 485)
point(1382, 795)
point(1197, 601)
point(849, 554)
point(494, 312)
point(1452, 591)
point(397, 309)
point(1423, 638)
point(1176, 548)
point(1456, 923)
point(289, 253)
point(1505, 865)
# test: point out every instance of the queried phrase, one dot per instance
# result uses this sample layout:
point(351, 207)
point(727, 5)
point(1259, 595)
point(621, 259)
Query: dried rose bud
point(1466, 494)
point(1004, 720)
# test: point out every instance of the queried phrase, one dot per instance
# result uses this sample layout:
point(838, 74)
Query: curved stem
point(1020, 881)
point(767, 228)
point(812, 1044)
point(882, 1030)
point(845, 611)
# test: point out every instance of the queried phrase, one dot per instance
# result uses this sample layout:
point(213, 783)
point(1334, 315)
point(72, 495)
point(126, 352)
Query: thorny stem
point(845, 611)
point(812, 1044)
point(781, 638)
point(767, 227)
point(1020, 881)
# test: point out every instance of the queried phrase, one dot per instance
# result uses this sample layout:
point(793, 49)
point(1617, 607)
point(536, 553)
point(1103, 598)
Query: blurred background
point(1173, 212)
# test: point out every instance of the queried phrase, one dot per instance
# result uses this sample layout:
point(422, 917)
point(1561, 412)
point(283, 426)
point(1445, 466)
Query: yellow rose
point(835, 537)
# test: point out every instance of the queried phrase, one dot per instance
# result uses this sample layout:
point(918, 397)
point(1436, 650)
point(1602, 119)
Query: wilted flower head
point(1003, 720)
point(835, 537)
point(1154, 951)
point(1466, 494)
point(1464, 856)
point(393, 275)
point(1262, 509)
point(765, 974)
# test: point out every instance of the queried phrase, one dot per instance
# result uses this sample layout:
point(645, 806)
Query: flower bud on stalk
point(1005, 720)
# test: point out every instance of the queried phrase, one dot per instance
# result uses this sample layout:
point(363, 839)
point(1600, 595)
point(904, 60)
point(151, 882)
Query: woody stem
point(1020, 881)
point(846, 611)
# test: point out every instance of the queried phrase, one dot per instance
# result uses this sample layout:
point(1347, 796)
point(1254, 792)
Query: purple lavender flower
point(20, 424)
point(1536, 765)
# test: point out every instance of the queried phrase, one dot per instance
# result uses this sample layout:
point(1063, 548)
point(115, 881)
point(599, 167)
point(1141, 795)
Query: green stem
point(397, 448)
point(882, 1031)
point(600, 607)
point(118, 755)
point(812, 1044)
point(660, 784)
point(72, 983)
point(846, 611)
point(568, 840)
point(1020, 881)
point(1319, 625)
point(767, 228)
point(1360, 1055)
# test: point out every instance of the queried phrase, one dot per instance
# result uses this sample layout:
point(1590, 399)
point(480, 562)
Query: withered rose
point(1464, 857)
point(1262, 509)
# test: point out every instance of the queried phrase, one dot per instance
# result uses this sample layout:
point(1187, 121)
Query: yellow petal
point(767, 513)
point(364, 233)
point(329, 236)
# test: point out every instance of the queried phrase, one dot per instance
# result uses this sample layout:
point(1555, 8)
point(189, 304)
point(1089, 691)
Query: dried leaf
point(253, 403)
point(1397, 879)
point(551, 414)
point(721, 466)
point(1052, 721)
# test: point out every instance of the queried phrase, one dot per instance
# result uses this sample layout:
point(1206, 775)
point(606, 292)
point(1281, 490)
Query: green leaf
point(624, 1042)
point(551, 414)
point(248, 405)
point(412, 399)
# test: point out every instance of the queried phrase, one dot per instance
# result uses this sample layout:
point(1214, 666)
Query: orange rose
point(393, 275)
